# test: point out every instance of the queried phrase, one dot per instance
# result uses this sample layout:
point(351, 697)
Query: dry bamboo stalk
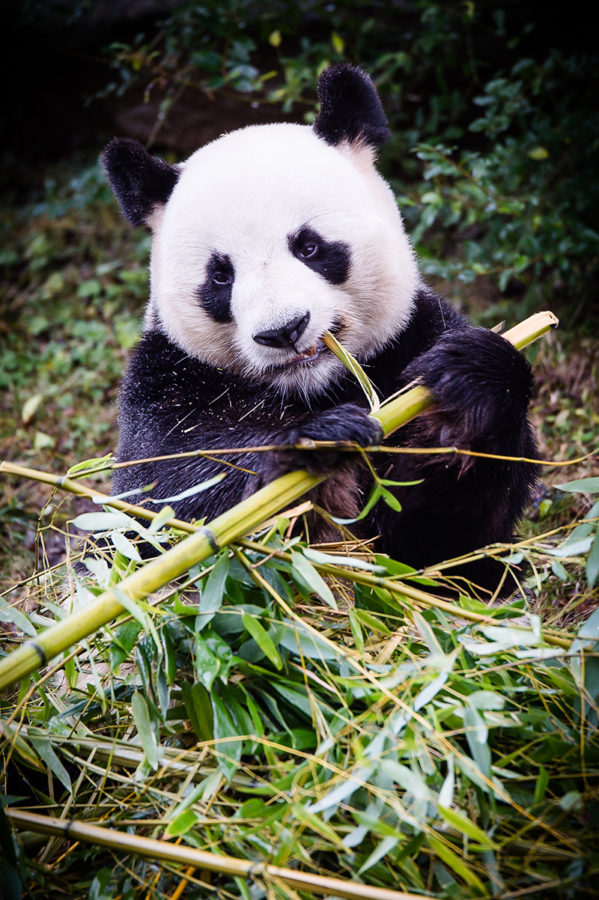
point(201, 859)
point(410, 592)
point(233, 524)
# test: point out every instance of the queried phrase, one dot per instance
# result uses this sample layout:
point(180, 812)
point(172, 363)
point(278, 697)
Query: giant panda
point(262, 240)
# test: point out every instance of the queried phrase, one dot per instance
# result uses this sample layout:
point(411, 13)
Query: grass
point(315, 714)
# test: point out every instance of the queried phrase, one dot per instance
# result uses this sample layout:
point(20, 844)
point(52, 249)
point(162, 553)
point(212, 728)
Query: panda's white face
point(270, 237)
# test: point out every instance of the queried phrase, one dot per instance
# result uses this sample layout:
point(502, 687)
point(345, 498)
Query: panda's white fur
point(263, 240)
point(241, 195)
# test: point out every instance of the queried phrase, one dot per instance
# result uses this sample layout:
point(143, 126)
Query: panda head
point(270, 235)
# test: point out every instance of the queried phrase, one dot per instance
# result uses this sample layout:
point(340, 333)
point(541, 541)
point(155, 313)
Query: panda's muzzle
point(287, 337)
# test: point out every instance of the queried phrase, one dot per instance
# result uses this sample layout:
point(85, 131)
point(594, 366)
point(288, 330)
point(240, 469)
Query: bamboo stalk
point(201, 859)
point(233, 524)
point(80, 490)
point(535, 326)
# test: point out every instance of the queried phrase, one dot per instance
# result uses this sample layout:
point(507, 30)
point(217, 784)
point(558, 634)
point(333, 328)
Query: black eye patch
point(215, 293)
point(331, 259)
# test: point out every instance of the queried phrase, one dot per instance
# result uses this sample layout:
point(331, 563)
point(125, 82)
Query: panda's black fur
point(174, 401)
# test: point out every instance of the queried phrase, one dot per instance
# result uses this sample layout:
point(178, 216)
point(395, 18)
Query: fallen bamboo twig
point(200, 859)
point(235, 523)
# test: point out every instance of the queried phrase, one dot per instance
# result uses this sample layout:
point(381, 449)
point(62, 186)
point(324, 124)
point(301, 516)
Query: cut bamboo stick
point(235, 523)
point(201, 859)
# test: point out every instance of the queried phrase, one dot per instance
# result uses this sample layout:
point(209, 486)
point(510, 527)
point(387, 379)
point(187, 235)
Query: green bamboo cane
point(201, 859)
point(233, 524)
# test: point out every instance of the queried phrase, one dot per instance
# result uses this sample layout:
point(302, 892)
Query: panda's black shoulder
point(432, 316)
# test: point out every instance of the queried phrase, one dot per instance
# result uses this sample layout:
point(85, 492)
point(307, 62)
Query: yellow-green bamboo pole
point(80, 490)
point(201, 859)
point(233, 524)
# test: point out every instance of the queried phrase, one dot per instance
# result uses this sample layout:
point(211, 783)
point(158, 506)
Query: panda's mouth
point(308, 356)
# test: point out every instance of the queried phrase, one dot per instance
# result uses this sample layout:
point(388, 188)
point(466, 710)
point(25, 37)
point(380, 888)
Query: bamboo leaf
point(408, 779)
point(44, 749)
point(313, 579)
point(182, 823)
point(145, 729)
point(352, 781)
point(589, 630)
point(385, 846)
point(212, 593)
point(192, 491)
point(103, 521)
point(302, 642)
point(139, 614)
point(317, 824)
point(354, 368)
point(574, 549)
point(262, 638)
point(454, 862)
point(97, 462)
point(228, 751)
point(446, 793)
point(357, 633)
point(584, 485)
point(100, 888)
point(123, 642)
point(476, 735)
point(165, 514)
point(199, 709)
point(352, 562)
point(541, 784)
point(372, 622)
point(296, 699)
point(390, 499)
point(125, 546)
point(10, 613)
point(466, 827)
point(20, 746)
point(592, 567)
point(207, 664)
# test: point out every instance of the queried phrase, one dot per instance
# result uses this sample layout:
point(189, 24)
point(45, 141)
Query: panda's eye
point(222, 277)
point(308, 249)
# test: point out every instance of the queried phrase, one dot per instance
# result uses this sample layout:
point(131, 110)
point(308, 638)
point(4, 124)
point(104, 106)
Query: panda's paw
point(476, 377)
point(339, 425)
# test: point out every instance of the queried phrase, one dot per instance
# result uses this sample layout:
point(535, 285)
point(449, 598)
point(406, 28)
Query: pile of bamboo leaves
point(249, 716)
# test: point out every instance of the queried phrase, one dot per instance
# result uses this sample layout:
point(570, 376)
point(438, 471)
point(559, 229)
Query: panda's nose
point(286, 335)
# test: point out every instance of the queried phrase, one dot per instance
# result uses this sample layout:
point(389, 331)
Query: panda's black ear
point(350, 108)
point(139, 181)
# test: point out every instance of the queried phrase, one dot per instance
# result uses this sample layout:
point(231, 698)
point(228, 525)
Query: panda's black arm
point(482, 387)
